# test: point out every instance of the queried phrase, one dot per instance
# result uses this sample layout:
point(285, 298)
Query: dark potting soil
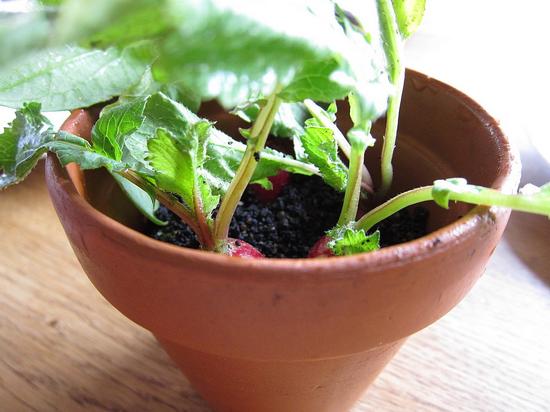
point(290, 225)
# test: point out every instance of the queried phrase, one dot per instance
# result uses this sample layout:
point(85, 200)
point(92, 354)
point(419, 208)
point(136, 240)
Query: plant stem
point(394, 205)
point(343, 144)
point(392, 48)
point(171, 202)
point(476, 195)
point(255, 144)
point(491, 197)
point(353, 189)
point(205, 232)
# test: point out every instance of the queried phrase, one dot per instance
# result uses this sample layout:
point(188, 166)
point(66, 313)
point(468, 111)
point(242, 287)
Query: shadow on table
point(529, 235)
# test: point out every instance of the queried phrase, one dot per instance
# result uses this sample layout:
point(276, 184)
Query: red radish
point(278, 181)
point(320, 249)
point(240, 248)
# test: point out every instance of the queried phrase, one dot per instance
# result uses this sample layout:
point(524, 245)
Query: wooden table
point(63, 347)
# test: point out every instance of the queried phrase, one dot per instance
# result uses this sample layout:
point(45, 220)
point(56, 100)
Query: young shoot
point(398, 19)
point(531, 199)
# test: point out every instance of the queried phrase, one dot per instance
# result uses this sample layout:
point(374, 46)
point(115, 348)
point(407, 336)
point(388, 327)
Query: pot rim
point(437, 241)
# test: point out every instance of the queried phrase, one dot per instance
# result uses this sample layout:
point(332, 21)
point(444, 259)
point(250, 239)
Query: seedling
point(280, 66)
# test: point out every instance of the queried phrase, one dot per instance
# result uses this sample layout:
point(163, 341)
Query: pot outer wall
point(300, 334)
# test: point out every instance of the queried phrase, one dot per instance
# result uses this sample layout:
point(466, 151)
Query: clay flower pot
point(300, 335)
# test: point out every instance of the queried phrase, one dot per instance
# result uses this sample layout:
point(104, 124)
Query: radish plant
point(278, 65)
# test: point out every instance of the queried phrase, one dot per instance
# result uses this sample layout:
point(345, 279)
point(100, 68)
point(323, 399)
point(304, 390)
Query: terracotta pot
point(301, 335)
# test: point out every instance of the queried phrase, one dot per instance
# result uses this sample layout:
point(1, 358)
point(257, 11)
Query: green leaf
point(70, 148)
point(22, 144)
point(345, 240)
point(69, 77)
point(289, 120)
point(145, 202)
point(409, 14)
point(322, 151)
point(316, 81)
point(240, 50)
point(224, 155)
point(115, 124)
point(443, 189)
point(102, 23)
point(365, 69)
point(178, 162)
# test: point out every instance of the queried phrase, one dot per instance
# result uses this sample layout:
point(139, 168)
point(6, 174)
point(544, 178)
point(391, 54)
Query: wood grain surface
point(64, 348)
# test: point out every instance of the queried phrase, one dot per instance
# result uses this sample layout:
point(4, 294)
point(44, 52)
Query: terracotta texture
point(304, 335)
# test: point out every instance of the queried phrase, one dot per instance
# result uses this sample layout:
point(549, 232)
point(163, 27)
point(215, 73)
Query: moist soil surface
point(291, 224)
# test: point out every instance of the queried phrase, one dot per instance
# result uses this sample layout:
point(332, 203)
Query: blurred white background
point(497, 51)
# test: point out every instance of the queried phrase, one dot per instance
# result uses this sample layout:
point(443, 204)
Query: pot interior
point(442, 134)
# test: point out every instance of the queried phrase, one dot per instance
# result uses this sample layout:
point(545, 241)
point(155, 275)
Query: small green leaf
point(70, 148)
point(224, 156)
point(409, 14)
point(178, 162)
point(22, 144)
point(114, 125)
point(442, 189)
point(173, 165)
point(69, 77)
point(345, 240)
point(322, 151)
point(289, 120)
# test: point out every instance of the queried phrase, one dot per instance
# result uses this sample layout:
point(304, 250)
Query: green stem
point(255, 144)
point(172, 203)
point(475, 195)
point(491, 197)
point(394, 205)
point(353, 189)
point(343, 144)
point(205, 232)
point(396, 70)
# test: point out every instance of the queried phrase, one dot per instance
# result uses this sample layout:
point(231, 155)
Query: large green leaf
point(111, 22)
point(315, 81)
point(69, 77)
point(22, 143)
point(239, 50)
